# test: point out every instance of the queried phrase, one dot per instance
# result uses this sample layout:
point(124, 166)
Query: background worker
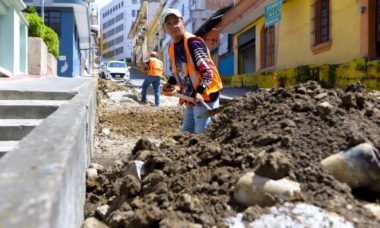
point(154, 70)
point(193, 69)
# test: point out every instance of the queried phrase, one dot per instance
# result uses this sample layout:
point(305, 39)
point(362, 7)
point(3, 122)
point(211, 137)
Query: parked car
point(117, 70)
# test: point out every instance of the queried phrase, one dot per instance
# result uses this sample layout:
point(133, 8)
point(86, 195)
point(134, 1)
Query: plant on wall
point(38, 29)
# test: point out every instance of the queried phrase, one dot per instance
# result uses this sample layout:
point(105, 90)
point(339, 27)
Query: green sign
point(272, 13)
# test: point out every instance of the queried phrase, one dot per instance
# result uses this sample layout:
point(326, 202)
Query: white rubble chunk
point(102, 210)
point(106, 131)
point(253, 189)
point(374, 209)
point(136, 169)
point(292, 215)
point(97, 166)
point(92, 222)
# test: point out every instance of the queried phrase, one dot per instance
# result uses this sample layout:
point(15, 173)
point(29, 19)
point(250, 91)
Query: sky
point(101, 3)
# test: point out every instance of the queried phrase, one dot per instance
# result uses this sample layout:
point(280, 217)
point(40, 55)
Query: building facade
point(144, 30)
point(70, 20)
point(309, 32)
point(13, 39)
point(116, 20)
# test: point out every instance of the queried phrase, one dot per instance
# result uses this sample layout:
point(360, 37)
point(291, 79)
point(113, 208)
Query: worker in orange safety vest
point(154, 68)
point(193, 71)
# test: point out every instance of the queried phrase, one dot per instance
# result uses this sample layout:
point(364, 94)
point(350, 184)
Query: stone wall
point(40, 61)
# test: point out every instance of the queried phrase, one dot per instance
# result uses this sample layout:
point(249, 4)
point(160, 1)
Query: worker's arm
point(199, 54)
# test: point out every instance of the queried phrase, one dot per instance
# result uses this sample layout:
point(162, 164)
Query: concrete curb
point(42, 181)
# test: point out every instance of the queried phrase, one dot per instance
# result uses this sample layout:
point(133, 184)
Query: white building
point(116, 20)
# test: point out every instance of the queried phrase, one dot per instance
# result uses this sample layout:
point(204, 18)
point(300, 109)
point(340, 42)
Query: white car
point(117, 70)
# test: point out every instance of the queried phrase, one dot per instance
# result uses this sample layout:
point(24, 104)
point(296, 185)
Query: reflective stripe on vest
point(155, 67)
point(216, 83)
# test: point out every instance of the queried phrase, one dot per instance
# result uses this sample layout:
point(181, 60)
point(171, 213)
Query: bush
point(36, 25)
point(51, 40)
point(38, 29)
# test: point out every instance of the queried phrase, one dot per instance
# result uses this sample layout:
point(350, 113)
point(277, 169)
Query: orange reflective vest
point(216, 83)
point(155, 67)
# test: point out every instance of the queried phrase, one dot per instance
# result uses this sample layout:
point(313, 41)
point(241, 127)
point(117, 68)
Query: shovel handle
point(205, 105)
point(191, 99)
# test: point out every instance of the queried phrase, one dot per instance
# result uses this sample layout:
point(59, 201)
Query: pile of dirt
point(188, 179)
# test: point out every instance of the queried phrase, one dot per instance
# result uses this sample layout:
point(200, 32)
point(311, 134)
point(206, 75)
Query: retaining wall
point(42, 180)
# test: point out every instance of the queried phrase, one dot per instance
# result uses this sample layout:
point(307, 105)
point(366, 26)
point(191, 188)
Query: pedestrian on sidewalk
point(154, 69)
point(193, 70)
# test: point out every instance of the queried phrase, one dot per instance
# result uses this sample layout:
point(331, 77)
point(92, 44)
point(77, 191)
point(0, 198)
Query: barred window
point(321, 21)
point(268, 40)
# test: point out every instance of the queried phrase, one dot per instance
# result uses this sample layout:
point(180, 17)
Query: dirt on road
point(188, 179)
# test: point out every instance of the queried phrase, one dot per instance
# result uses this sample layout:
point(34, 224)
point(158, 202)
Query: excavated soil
point(189, 179)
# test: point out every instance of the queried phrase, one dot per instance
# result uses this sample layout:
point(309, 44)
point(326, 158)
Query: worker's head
point(172, 22)
point(153, 54)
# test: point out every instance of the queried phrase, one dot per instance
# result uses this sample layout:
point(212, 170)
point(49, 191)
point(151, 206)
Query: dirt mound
point(189, 179)
point(106, 86)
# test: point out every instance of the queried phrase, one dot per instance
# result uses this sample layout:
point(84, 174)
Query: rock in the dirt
point(136, 169)
point(93, 223)
point(357, 166)
point(102, 211)
point(374, 209)
point(98, 167)
point(130, 186)
point(321, 96)
point(253, 189)
point(324, 109)
point(274, 165)
point(106, 131)
point(91, 177)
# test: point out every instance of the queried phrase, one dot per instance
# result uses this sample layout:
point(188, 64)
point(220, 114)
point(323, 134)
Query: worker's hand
point(198, 97)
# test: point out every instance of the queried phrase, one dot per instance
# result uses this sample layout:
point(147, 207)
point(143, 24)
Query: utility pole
point(43, 11)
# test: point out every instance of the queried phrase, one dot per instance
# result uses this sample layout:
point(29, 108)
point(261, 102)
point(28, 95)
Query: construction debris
point(189, 179)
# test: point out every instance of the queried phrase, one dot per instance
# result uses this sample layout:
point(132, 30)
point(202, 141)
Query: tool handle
point(191, 99)
point(205, 105)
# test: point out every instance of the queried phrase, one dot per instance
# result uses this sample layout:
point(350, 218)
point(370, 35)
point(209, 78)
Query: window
point(268, 40)
point(53, 20)
point(133, 13)
point(134, 1)
point(321, 25)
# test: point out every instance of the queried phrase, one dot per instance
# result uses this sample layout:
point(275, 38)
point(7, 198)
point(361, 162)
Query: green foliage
point(36, 25)
point(31, 10)
point(38, 29)
point(51, 40)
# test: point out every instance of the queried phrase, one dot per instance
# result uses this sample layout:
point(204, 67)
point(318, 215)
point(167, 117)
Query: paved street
point(137, 79)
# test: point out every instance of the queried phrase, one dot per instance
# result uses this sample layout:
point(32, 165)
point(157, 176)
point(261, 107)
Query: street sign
point(272, 13)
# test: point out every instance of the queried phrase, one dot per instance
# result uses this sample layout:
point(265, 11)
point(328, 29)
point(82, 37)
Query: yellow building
point(137, 35)
point(310, 34)
point(155, 32)
point(144, 30)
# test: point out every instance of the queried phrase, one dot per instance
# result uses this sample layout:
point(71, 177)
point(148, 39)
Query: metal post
point(43, 11)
